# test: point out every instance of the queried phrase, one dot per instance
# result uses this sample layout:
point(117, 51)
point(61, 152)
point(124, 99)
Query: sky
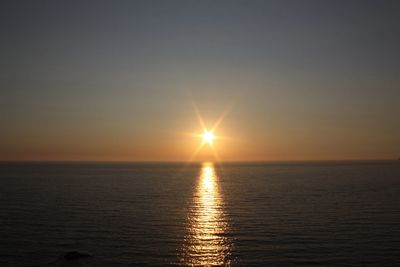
point(119, 80)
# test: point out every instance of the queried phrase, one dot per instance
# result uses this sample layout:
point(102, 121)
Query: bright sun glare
point(208, 137)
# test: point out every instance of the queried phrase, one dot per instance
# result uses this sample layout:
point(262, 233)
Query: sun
point(208, 137)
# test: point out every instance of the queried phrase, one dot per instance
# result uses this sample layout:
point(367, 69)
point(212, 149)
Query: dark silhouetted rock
point(75, 255)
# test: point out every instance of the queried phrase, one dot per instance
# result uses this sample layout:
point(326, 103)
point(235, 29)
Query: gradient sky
point(115, 80)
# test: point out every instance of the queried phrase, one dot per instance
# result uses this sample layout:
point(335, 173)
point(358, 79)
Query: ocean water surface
point(242, 214)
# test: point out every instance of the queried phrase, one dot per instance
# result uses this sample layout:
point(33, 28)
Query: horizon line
point(197, 161)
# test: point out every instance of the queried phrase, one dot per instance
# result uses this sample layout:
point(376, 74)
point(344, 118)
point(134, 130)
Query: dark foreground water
point(281, 214)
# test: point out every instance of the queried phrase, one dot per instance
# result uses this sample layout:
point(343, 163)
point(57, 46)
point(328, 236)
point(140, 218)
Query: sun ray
point(198, 115)
point(208, 134)
point(222, 116)
point(216, 155)
point(193, 156)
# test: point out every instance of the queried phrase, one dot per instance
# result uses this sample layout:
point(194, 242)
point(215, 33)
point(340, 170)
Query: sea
point(200, 214)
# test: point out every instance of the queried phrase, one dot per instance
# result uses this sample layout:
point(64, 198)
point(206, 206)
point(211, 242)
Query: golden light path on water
point(206, 242)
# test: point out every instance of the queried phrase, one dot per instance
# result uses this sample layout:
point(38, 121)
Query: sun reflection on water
point(206, 242)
